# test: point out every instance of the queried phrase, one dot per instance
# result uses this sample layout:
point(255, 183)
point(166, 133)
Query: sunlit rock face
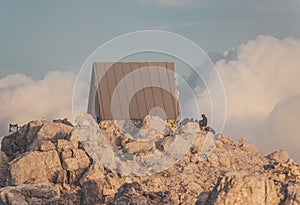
point(159, 163)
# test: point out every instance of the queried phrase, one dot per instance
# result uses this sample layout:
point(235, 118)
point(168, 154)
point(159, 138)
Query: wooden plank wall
point(138, 76)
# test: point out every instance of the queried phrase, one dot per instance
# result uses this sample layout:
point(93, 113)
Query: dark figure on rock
point(203, 122)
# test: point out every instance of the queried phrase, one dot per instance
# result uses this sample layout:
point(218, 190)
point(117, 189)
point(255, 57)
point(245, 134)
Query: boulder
point(40, 193)
point(280, 156)
point(17, 143)
point(36, 167)
point(244, 189)
point(198, 144)
point(31, 136)
point(190, 128)
point(139, 147)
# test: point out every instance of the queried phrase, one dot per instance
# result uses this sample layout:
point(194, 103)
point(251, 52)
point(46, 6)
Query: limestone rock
point(293, 194)
point(66, 154)
point(35, 167)
point(152, 127)
point(83, 162)
point(49, 165)
point(95, 172)
point(164, 143)
point(133, 193)
point(198, 144)
point(243, 145)
point(190, 128)
point(4, 170)
point(244, 189)
point(82, 158)
point(73, 138)
point(104, 124)
point(124, 139)
point(64, 145)
point(47, 146)
point(92, 192)
point(279, 156)
point(41, 193)
point(147, 129)
point(70, 164)
point(139, 147)
point(17, 143)
point(31, 136)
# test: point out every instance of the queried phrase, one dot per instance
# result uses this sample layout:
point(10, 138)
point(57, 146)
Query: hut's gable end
point(131, 90)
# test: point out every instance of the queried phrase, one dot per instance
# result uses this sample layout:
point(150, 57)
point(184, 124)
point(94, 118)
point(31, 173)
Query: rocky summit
point(49, 163)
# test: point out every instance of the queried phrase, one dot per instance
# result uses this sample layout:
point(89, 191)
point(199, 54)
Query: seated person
point(203, 122)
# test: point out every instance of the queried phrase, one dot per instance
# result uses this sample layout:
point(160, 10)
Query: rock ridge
point(45, 163)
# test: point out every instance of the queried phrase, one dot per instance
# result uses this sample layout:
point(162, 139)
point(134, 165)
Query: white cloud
point(282, 126)
point(262, 91)
point(24, 99)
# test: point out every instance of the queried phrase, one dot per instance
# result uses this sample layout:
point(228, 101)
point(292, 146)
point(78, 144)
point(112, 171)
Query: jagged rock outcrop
point(38, 193)
point(133, 193)
point(292, 193)
point(45, 163)
point(36, 167)
point(244, 189)
point(30, 137)
point(4, 170)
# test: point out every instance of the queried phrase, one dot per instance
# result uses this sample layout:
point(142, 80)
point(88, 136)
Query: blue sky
point(40, 36)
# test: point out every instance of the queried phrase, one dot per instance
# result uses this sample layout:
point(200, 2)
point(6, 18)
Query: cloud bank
point(24, 99)
point(263, 97)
